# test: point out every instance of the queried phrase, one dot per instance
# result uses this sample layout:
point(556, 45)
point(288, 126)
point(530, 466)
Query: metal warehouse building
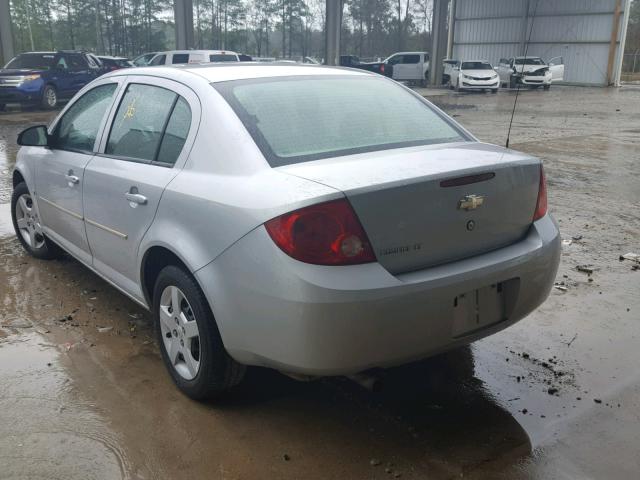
point(588, 34)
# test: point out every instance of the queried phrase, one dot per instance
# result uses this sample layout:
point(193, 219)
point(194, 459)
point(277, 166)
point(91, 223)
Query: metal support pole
point(617, 67)
point(333, 25)
point(183, 19)
point(452, 27)
point(524, 37)
point(613, 43)
point(438, 41)
point(6, 36)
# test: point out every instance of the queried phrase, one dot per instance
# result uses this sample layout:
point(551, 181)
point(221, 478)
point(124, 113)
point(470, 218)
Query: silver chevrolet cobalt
point(319, 221)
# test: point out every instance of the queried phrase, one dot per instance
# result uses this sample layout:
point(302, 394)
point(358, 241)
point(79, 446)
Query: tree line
point(266, 28)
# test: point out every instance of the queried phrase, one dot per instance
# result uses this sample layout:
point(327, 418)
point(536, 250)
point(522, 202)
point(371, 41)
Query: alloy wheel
point(28, 222)
point(180, 334)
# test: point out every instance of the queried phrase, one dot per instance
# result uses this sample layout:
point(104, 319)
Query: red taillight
point(324, 234)
point(382, 68)
point(541, 204)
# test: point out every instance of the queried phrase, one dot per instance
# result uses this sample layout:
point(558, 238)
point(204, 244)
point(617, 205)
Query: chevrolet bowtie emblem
point(470, 202)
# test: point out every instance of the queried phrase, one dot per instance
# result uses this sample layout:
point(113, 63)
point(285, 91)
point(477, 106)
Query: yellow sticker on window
point(131, 110)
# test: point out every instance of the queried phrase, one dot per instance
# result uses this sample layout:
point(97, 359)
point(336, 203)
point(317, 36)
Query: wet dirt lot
point(85, 395)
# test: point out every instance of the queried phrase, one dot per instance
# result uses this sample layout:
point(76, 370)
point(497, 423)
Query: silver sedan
point(319, 221)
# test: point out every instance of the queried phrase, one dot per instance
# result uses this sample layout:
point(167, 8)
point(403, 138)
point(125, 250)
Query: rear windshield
point(529, 61)
point(297, 119)
point(39, 61)
point(476, 66)
point(223, 57)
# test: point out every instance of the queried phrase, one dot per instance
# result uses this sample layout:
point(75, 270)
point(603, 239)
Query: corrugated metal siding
point(577, 30)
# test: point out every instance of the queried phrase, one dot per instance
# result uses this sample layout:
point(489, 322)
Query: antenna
point(526, 49)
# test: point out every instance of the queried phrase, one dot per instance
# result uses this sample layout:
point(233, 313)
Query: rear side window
point(297, 119)
point(151, 125)
point(176, 133)
point(78, 128)
point(220, 57)
point(139, 122)
point(180, 58)
point(158, 60)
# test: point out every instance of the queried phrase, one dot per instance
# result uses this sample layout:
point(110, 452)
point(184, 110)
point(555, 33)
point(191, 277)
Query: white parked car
point(176, 57)
point(530, 71)
point(409, 66)
point(474, 75)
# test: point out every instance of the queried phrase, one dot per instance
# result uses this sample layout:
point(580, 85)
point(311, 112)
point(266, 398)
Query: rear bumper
point(277, 312)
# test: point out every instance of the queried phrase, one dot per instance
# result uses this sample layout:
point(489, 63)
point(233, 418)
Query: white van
point(174, 57)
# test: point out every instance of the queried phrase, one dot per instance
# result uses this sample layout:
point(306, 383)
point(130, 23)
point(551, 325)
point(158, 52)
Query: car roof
point(475, 61)
point(530, 56)
point(223, 72)
point(199, 51)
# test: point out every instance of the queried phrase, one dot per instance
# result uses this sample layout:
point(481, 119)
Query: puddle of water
point(47, 431)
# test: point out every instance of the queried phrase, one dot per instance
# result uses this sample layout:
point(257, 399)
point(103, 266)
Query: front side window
point(158, 60)
point(395, 60)
point(139, 122)
point(297, 119)
point(78, 128)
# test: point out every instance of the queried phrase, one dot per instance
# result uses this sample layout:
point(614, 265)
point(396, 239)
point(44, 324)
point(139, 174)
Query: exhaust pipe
point(367, 381)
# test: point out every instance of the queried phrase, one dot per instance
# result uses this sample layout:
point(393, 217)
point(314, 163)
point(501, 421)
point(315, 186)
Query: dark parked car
point(45, 78)
point(110, 64)
point(353, 61)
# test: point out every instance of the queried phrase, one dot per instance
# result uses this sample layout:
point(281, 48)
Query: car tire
point(494, 90)
point(26, 224)
point(196, 358)
point(2, 107)
point(547, 87)
point(49, 99)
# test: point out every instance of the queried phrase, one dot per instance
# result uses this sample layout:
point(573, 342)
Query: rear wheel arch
point(18, 178)
point(153, 261)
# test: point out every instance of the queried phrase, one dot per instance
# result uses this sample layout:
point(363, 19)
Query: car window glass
point(139, 122)
point(176, 133)
point(78, 128)
point(76, 62)
point(328, 117)
point(395, 60)
point(62, 63)
point(411, 59)
point(222, 57)
point(91, 61)
point(158, 60)
point(180, 58)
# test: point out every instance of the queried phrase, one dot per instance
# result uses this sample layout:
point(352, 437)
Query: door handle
point(136, 198)
point(72, 179)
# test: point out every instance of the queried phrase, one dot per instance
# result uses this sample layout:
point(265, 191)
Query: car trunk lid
point(425, 206)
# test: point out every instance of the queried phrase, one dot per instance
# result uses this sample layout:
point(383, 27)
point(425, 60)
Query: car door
point(60, 168)
point(556, 67)
point(150, 133)
point(408, 67)
point(62, 78)
point(80, 72)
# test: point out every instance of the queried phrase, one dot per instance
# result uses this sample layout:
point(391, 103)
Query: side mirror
point(34, 137)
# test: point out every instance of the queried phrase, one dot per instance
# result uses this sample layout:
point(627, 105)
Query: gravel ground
point(555, 396)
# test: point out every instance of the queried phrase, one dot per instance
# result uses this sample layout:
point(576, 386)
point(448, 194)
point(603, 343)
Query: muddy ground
point(85, 396)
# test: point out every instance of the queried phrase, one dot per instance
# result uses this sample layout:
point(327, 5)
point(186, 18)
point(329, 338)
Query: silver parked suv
point(315, 220)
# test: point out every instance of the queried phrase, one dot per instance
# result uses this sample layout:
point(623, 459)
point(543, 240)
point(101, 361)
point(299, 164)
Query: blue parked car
point(46, 78)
